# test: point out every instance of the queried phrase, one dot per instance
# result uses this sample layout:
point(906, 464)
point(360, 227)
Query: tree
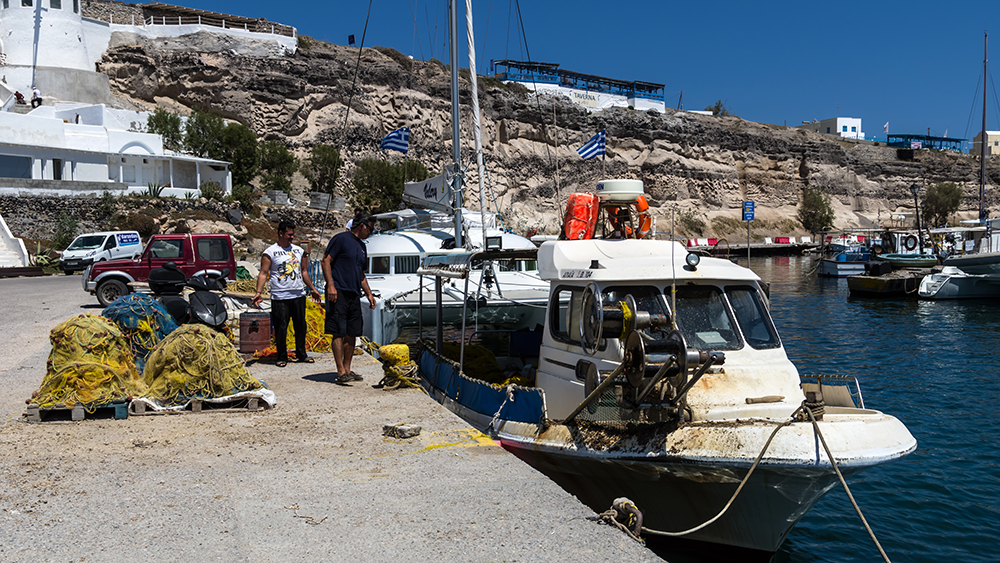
point(277, 164)
point(718, 109)
point(166, 124)
point(239, 145)
point(940, 202)
point(377, 185)
point(322, 167)
point(815, 212)
point(203, 134)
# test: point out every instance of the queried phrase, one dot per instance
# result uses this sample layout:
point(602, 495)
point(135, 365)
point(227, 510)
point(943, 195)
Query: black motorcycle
point(203, 306)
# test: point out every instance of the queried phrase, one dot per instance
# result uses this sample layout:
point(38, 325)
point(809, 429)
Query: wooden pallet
point(117, 410)
point(251, 404)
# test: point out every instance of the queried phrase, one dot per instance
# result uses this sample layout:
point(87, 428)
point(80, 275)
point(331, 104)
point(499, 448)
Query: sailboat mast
point(982, 144)
point(477, 134)
point(455, 143)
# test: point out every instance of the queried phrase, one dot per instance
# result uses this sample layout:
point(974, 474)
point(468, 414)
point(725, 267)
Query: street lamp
point(915, 189)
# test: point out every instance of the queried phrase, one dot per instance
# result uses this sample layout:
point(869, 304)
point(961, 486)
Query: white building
point(849, 127)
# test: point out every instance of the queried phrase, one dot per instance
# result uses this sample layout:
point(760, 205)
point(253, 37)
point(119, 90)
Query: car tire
point(109, 290)
point(68, 272)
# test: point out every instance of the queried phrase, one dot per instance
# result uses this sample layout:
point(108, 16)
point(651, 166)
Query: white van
point(97, 247)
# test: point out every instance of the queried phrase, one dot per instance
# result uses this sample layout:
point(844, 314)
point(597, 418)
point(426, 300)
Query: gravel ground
point(313, 479)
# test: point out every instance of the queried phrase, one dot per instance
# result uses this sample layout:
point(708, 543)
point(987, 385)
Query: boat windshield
point(753, 318)
point(704, 320)
point(87, 242)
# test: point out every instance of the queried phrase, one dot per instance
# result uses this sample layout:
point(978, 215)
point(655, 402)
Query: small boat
point(659, 376)
point(953, 283)
point(899, 261)
point(845, 263)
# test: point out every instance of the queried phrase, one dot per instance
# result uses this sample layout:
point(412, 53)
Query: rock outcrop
point(691, 163)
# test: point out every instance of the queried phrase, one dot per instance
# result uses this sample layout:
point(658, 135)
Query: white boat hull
point(953, 283)
point(983, 263)
point(834, 269)
point(690, 476)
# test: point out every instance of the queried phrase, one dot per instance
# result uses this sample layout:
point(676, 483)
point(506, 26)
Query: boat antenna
point(982, 143)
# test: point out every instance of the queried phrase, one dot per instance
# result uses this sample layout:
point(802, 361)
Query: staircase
point(12, 251)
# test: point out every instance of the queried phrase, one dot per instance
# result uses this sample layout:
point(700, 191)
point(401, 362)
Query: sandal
point(281, 363)
point(306, 360)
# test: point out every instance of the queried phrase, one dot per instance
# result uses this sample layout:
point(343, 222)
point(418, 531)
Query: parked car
point(193, 254)
point(98, 247)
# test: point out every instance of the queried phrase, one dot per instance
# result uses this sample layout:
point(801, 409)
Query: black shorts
point(343, 316)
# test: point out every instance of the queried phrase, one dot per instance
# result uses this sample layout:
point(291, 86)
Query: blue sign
point(748, 211)
point(127, 239)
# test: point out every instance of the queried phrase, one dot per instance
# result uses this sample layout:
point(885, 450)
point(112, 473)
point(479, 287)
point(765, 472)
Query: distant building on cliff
point(848, 127)
point(992, 143)
point(595, 92)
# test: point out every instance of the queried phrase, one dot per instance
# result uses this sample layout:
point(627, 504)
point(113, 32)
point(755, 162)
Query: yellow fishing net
point(481, 364)
point(90, 364)
point(196, 362)
point(316, 338)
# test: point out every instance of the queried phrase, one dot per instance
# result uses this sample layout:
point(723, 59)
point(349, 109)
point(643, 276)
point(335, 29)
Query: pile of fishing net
point(481, 364)
point(197, 362)
point(90, 364)
point(143, 320)
point(316, 338)
point(400, 371)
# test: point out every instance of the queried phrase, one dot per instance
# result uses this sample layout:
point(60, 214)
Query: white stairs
point(13, 254)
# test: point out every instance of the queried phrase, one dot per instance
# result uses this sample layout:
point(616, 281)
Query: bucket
point(255, 331)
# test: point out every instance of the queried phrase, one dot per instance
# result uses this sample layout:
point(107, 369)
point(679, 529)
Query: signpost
point(748, 216)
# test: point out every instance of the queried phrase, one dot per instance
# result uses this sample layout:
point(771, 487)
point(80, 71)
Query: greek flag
point(398, 140)
point(593, 147)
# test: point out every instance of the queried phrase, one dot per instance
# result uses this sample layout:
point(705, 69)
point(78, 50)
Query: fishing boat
point(659, 376)
point(843, 262)
point(899, 261)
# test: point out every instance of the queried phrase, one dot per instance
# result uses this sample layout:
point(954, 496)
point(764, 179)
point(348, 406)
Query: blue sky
point(915, 65)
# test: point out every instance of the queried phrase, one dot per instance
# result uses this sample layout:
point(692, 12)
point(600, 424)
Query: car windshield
point(86, 242)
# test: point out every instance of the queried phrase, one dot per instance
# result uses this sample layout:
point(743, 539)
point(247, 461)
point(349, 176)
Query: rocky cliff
point(703, 167)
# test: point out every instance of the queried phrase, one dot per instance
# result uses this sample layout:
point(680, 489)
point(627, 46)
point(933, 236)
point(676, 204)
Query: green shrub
point(940, 201)
point(66, 226)
point(212, 191)
point(322, 168)
point(395, 55)
point(144, 224)
point(277, 164)
point(167, 125)
point(723, 225)
point(305, 42)
point(153, 189)
point(246, 197)
point(692, 223)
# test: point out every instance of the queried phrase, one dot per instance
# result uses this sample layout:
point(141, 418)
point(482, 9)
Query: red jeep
point(193, 253)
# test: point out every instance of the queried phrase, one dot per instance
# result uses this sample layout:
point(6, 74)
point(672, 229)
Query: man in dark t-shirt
point(344, 264)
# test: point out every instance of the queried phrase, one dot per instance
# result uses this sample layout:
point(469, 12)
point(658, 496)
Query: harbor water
point(932, 364)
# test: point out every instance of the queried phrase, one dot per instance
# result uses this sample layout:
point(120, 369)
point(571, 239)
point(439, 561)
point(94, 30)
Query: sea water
point(935, 366)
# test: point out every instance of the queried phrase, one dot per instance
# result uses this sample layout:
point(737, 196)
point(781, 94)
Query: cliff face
point(700, 165)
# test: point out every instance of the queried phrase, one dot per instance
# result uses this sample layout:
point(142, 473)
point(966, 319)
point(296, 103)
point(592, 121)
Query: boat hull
point(839, 269)
point(983, 263)
point(953, 283)
point(688, 477)
point(909, 260)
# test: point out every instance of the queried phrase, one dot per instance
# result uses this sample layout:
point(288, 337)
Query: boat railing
point(835, 389)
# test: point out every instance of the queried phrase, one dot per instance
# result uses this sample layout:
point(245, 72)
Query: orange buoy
point(580, 221)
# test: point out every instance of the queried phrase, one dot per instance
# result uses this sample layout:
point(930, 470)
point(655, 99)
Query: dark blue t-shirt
point(349, 260)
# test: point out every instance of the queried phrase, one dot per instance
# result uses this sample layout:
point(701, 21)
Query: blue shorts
point(343, 316)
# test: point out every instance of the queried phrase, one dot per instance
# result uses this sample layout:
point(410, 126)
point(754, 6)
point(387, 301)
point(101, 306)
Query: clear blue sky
point(915, 65)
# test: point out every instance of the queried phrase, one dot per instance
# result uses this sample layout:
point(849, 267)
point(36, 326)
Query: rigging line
point(489, 12)
point(506, 49)
point(995, 102)
point(973, 108)
point(433, 38)
point(538, 103)
point(416, 31)
point(347, 113)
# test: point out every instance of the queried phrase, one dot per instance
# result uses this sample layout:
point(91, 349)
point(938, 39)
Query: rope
point(620, 511)
point(746, 478)
point(846, 488)
point(491, 428)
point(398, 377)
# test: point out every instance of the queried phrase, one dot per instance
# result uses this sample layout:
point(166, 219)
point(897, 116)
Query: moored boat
point(660, 377)
point(899, 261)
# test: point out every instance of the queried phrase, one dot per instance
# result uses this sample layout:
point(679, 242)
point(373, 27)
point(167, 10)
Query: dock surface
point(311, 480)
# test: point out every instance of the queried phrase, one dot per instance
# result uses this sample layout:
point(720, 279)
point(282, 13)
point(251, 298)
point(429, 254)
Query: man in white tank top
point(287, 266)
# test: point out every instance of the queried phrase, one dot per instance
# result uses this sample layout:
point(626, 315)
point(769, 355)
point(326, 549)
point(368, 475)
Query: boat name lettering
point(429, 190)
point(578, 274)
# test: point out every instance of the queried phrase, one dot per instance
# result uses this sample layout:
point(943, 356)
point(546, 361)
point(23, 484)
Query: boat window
point(646, 299)
point(752, 317)
point(380, 265)
point(564, 311)
point(703, 319)
point(407, 264)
